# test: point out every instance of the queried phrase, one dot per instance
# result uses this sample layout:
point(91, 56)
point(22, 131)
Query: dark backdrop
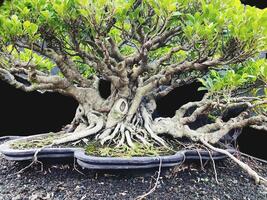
point(258, 3)
point(30, 113)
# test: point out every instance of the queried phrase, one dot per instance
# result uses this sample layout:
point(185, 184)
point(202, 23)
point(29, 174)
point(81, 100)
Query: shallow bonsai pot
point(28, 154)
point(206, 155)
point(93, 162)
point(9, 137)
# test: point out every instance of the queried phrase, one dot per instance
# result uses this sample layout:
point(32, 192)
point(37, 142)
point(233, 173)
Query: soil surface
point(186, 182)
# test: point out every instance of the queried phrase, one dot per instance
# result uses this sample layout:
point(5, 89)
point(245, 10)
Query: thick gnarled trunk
point(126, 121)
point(117, 123)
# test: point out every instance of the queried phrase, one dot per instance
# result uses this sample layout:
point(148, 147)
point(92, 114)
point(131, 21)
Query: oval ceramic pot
point(93, 162)
point(11, 137)
point(28, 154)
point(206, 155)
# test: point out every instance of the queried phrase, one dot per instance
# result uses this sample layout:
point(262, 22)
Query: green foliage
point(84, 69)
point(30, 28)
point(42, 63)
point(208, 26)
point(235, 77)
point(200, 20)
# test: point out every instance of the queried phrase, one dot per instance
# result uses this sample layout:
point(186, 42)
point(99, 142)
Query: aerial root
point(106, 136)
point(141, 197)
point(129, 139)
point(122, 140)
point(35, 160)
point(258, 179)
point(214, 167)
point(147, 124)
point(125, 133)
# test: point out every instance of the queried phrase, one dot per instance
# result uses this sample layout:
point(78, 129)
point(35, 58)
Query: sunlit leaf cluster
point(214, 29)
point(235, 77)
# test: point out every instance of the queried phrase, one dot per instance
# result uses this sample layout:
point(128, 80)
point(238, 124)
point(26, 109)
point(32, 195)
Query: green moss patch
point(36, 142)
point(96, 149)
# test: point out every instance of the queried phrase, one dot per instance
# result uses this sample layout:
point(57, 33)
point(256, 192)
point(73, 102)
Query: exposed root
point(127, 133)
point(120, 135)
point(128, 139)
point(142, 139)
point(156, 184)
point(96, 124)
point(75, 168)
point(122, 140)
point(35, 160)
point(214, 167)
point(109, 134)
point(148, 123)
point(258, 179)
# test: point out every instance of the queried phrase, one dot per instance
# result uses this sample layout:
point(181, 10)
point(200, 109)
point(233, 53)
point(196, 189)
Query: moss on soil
point(37, 142)
point(96, 149)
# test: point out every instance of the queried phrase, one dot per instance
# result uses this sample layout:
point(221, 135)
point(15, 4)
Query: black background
point(30, 113)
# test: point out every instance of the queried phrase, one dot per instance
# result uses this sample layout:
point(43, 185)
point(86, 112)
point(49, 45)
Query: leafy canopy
point(209, 27)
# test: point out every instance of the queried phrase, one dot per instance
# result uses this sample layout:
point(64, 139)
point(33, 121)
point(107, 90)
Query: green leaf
point(26, 25)
point(191, 18)
point(202, 89)
point(33, 29)
point(46, 14)
point(30, 28)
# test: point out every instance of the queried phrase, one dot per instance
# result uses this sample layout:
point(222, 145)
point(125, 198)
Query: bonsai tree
point(146, 49)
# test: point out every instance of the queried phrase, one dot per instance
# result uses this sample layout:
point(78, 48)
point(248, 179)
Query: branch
point(220, 128)
point(108, 66)
point(175, 84)
point(183, 109)
point(114, 50)
point(47, 83)
point(238, 122)
point(198, 112)
point(64, 62)
point(168, 56)
point(151, 44)
point(262, 127)
point(161, 39)
point(140, 92)
point(154, 65)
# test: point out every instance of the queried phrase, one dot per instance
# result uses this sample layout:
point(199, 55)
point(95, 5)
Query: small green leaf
point(33, 29)
point(26, 25)
point(202, 89)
